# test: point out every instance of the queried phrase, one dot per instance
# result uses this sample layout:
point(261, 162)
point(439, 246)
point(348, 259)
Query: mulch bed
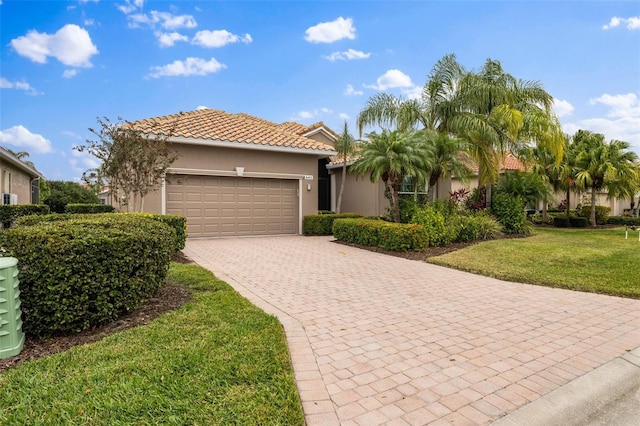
point(169, 298)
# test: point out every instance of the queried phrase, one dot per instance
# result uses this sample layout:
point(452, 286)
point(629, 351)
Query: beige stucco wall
point(322, 137)
point(20, 182)
point(360, 194)
point(277, 164)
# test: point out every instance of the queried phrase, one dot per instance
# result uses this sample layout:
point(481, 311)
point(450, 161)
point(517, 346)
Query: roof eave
point(249, 145)
point(33, 173)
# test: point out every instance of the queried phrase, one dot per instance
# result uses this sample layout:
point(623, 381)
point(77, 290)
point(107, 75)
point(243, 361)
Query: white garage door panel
point(228, 206)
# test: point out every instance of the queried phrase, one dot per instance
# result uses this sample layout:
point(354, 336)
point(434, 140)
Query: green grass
point(218, 360)
point(592, 260)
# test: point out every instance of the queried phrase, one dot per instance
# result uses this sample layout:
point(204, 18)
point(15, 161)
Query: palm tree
point(346, 148)
point(567, 171)
point(390, 156)
point(601, 165)
point(496, 112)
point(542, 163)
point(449, 157)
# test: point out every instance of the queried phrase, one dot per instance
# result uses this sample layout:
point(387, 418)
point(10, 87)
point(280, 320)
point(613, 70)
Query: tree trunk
point(393, 201)
point(568, 210)
point(593, 206)
point(344, 177)
point(544, 211)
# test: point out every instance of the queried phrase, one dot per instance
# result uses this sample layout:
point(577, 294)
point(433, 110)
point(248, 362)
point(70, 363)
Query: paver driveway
point(378, 339)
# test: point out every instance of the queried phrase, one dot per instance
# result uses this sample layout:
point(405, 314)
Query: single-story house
point(19, 181)
point(237, 174)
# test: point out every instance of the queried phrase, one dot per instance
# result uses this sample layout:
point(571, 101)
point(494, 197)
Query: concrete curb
point(577, 401)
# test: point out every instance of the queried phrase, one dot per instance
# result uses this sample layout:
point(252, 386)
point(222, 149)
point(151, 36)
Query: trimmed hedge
point(89, 208)
point(10, 213)
point(322, 224)
point(602, 213)
point(578, 222)
point(378, 233)
point(178, 223)
point(83, 272)
point(561, 222)
point(624, 220)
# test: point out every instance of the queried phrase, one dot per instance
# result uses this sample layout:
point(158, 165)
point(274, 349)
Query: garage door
point(218, 206)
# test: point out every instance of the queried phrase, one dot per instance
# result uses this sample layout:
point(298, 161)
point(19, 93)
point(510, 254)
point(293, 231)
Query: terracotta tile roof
point(508, 162)
point(301, 129)
point(217, 125)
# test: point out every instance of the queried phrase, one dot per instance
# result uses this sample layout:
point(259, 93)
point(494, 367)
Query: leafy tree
point(543, 163)
point(62, 193)
point(601, 165)
point(346, 148)
point(390, 156)
point(496, 112)
point(132, 162)
point(529, 187)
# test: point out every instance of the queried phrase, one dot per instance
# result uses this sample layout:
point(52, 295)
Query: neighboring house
point(19, 181)
point(241, 175)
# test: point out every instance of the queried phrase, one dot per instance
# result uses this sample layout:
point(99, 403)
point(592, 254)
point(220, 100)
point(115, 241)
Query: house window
point(7, 182)
point(408, 186)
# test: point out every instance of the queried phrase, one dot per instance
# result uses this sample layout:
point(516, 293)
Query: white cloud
point(166, 20)
point(218, 38)
point(18, 85)
point(21, 137)
point(621, 121)
point(632, 23)
point(71, 134)
point(130, 6)
point(70, 45)
point(190, 66)
point(308, 115)
point(169, 39)
point(89, 22)
point(328, 32)
point(413, 92)
point(392, 79)
point(347, 55)
point(343, 116)
point(69, 73)
point(350, 91)
point(83, 161)
point(562, 108)
point(200, 107)
point(621, 105)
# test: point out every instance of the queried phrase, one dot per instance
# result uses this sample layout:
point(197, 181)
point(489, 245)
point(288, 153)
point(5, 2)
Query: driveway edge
point(575, 402)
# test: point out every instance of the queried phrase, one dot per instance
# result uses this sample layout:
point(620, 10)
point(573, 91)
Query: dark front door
point(324, 185)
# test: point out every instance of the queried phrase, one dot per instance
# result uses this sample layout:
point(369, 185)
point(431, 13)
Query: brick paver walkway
point(376, 339)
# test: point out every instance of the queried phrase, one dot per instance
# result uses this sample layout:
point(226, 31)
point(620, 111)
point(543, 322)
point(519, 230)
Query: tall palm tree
point(541, 162)
point(496, 112)
point(449, 158)
point(390, 156)
point(601, 165)
point(346, 148)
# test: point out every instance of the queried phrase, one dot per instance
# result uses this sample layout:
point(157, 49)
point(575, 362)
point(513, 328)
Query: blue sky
point(64, 63)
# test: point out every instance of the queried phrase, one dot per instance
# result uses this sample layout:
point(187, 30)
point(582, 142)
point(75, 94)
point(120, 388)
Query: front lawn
point(217, 360)
point(593, 260)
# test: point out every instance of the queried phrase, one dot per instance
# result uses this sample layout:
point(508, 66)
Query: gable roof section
point(508, 162)
point(26, 168)
point(220, 128)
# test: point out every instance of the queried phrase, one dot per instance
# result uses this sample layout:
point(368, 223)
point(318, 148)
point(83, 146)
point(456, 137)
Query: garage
point(221, 206)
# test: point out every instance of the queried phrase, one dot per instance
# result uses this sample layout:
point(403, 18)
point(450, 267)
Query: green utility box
point(11, 334)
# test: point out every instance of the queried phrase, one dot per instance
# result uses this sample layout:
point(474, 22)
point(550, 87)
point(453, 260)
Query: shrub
point(624, 220)
point(477, 200)
point(63, 193)
point(10, 213)
point(434, 222)
point(77, 208)
point(578, 222)
point(378, 233)
point(479, 226)
point(509, 211)
point(561, 221)
point(82, 272)
point(178, 223)
point(322, 224)
point(602, 213)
